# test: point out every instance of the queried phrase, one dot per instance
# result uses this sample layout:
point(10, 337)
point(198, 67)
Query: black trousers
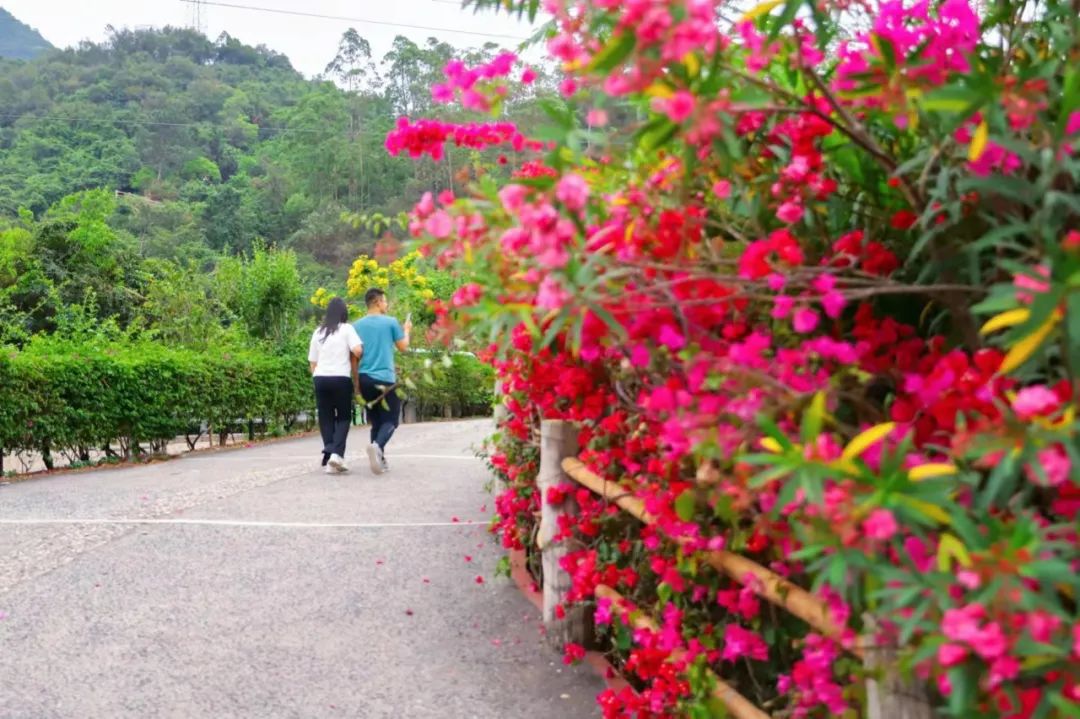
point(384, 414)
point(333, 399)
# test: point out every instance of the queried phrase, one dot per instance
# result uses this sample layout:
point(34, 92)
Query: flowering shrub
point(410, 288)
point(819, 305)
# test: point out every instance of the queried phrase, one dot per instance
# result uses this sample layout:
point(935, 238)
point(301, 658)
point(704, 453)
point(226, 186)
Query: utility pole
point(197, 16)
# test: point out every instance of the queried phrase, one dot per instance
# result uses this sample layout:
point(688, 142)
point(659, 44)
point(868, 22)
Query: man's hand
point(407, 326)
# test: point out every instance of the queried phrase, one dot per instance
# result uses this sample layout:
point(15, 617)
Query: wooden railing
point(889, 696)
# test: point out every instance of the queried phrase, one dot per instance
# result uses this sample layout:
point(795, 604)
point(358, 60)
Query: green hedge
point(61, 398)
point(437, 382)
point(67, 398)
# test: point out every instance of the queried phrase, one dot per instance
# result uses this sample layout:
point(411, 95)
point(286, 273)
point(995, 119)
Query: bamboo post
point(889, 695)
point(499, 410)
point(558, 440)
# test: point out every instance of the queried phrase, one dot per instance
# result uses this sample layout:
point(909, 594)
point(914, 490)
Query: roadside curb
point(152, 459)
point(525, 584)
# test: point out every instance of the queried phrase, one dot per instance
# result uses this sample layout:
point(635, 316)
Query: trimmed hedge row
point(58, 398)
point(93, 397)
point(441, 385)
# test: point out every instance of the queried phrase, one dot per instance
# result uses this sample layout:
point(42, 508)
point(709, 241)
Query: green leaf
point(617, 49)
point(888, 52)
point(964, 684)
point(1002, 479)
point(1070, 708)
point(559, 112)
point(1071, 336)
point(993, 238)
point(1070, 98)
point(685, 504)
point(724, 509)
point(660, 136)
point(791, 7)
point(813, 417)
point(953, 98)
point(806, 553)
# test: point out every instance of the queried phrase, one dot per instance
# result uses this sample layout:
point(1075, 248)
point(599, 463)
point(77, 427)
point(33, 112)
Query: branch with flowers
point(814, 300)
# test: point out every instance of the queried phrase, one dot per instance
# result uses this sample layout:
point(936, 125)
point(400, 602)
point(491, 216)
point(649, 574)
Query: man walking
point(380, 334)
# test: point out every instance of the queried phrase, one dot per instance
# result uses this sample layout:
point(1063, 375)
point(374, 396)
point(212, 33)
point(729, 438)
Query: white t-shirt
point(331, 354)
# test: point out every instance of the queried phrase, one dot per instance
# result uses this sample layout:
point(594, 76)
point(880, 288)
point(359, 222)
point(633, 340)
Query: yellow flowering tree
point(410, 288)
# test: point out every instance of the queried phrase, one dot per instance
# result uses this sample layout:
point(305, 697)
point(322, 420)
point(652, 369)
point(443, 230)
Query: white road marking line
point(248, 523)
point(432, 456)
point(392, 455)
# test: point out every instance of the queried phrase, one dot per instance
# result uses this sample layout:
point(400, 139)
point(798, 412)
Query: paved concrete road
point(248, 584)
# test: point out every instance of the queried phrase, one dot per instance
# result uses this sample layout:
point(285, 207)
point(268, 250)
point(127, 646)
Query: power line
point(320, 16)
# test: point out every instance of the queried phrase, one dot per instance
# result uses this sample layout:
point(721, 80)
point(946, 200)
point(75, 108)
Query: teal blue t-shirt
point(379, 333)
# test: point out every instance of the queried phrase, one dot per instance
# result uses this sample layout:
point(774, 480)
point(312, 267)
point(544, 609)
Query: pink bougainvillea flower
point(740, 643)
point(671, 337)
point(805, 320)
point(782, 306)
point(679, 107)
point(949, 655)
point(790, 212)
point(1054, 464)
point(962, 624)
point(442, 93)
point(439, 225)
point(1043, 626)
point(572, 191)
point(990, 641)
point(1036, 284)
point(1072, 127)
point(467, 295)
point(833, 303)
point(1003, 669)
point(968, 579)
point(1038, 400)
point(880, 525)
point(597, 117)
point(552, 295)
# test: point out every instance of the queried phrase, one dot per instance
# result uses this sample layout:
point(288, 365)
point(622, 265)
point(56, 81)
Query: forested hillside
point(18, 40)
point(214, 145)
point(163, 187)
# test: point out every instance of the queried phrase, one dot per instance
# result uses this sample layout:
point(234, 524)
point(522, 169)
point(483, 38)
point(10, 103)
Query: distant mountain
point(18, 40)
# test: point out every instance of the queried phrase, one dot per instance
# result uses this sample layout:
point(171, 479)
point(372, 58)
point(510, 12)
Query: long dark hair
point(337, 314)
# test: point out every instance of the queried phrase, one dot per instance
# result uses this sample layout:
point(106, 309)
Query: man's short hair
point(373, 295)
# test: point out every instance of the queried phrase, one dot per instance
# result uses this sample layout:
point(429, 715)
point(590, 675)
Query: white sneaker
point(337, 462)
point(329, 470)
point(375, 458)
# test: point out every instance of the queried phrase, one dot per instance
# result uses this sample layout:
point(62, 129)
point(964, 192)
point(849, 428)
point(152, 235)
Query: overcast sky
point(309, 42)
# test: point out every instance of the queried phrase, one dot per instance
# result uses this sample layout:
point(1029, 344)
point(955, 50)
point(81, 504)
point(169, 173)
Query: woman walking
point(333, 354)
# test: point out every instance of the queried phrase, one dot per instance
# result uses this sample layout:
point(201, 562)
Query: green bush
point(436, 381)
point(71, 397)
point(61, 397)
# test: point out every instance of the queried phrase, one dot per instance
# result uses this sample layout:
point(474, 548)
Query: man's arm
point(403, 343)
point(312, 366)
point(356, 352)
